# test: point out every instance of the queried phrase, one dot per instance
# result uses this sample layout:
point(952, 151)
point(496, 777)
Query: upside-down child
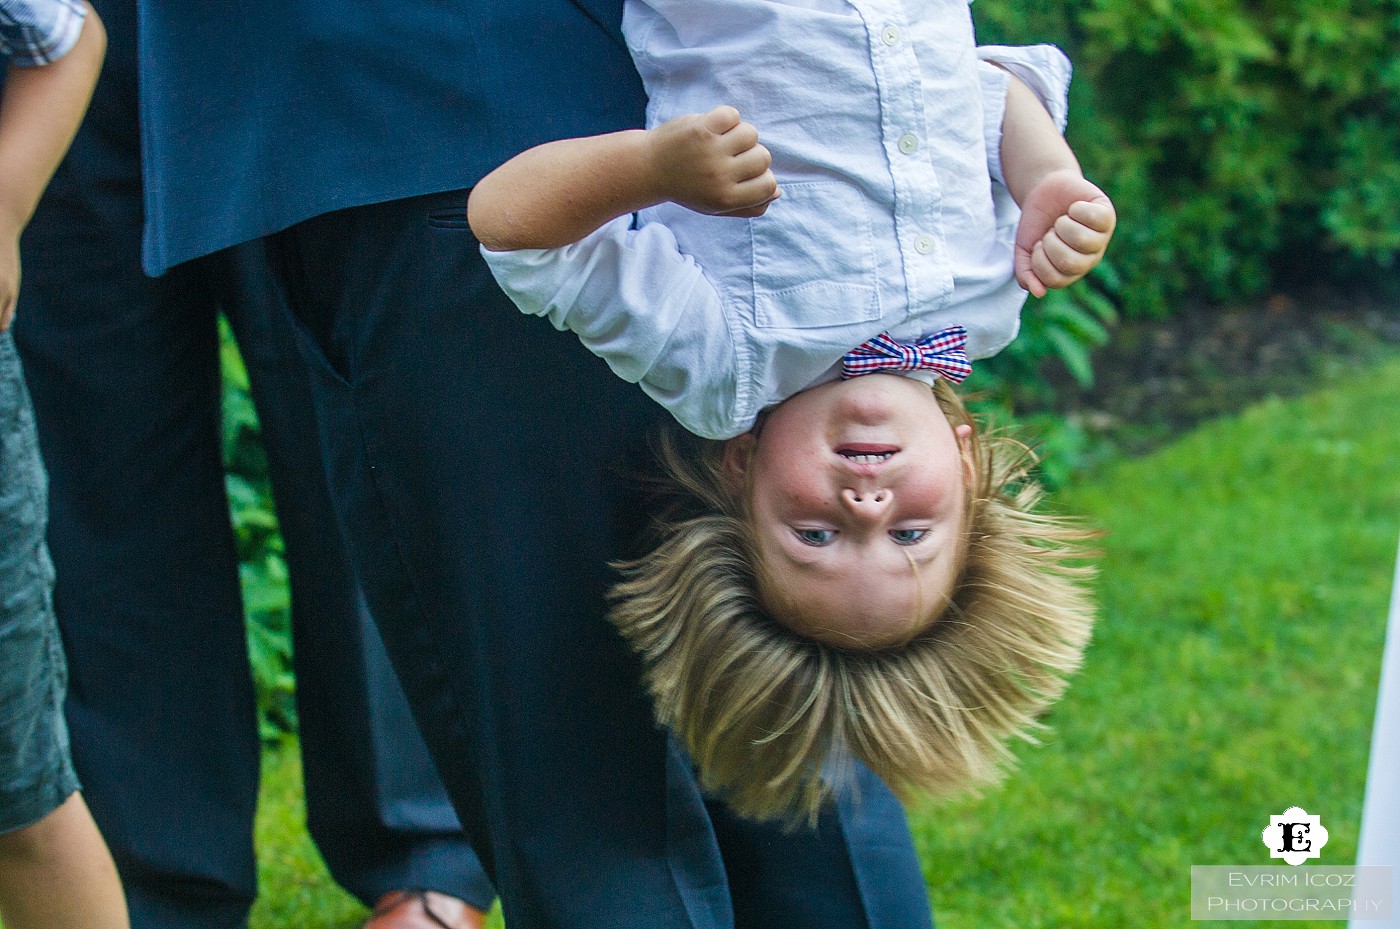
point(865, 575)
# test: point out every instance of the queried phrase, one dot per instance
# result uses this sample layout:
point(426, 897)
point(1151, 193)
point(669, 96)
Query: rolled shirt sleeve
point(39, 32)
point(1043, 68)
point(635, 301)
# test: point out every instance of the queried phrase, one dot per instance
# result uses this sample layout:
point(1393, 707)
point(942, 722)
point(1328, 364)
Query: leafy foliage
point(262, 565)
point(1246, 143)
point(1063, 328)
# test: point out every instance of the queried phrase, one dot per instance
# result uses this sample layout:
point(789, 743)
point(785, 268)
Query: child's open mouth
point(866, 453)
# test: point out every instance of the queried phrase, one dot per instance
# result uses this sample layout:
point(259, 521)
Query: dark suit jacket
point(258, 115)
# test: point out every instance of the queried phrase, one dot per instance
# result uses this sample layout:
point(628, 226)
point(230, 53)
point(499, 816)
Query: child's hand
point(1066, 224)
point(712, 163)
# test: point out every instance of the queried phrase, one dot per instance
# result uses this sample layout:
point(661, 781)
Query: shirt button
point(908, 143)
point(890, 35)
point(923, 244)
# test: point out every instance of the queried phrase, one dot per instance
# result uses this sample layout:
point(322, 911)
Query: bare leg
point(58, 874)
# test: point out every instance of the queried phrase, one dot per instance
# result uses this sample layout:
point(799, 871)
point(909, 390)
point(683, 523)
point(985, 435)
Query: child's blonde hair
point(769, 716)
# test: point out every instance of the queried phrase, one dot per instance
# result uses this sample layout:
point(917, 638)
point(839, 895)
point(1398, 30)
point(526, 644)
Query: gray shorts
point(36, 770)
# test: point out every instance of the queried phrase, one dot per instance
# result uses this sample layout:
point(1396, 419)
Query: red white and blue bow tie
point(944, 352)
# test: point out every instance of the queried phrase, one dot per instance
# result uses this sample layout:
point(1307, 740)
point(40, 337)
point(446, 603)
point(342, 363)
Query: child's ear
point(963, 433)
point(734, 464)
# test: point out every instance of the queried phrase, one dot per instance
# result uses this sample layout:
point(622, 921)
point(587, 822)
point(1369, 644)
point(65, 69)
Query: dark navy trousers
point(125, 377)
point(485, 469)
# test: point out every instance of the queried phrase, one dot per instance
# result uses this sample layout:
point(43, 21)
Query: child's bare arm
point(1066, 222)
point(559, 192)
point(39, 114)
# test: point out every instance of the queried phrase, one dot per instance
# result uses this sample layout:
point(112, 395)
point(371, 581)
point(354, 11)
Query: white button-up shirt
point(884, 121)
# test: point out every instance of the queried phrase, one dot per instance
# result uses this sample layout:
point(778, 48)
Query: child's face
point(858, 491)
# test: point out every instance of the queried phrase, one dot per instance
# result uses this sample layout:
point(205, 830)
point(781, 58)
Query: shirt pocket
point(814, 259)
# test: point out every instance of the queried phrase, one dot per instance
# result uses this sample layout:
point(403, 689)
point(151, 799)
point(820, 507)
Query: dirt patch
point(1157, 379)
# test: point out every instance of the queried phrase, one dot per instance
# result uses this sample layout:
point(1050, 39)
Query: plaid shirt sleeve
point(37, 32)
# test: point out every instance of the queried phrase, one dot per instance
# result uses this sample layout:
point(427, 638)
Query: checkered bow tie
point(944, 352)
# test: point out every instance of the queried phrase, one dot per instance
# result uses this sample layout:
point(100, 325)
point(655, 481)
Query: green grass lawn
point(1233, 675)
point(297, 893)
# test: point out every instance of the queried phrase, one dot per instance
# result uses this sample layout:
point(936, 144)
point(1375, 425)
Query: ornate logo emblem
point(1295, 836)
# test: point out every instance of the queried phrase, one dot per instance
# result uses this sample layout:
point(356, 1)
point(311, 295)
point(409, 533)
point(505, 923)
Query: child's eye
point(907, 536)
point(818, 537)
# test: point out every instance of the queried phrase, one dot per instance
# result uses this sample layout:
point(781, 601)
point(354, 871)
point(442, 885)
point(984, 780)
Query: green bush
point(1062, 329)
point(1246, 144)
point(262, 566)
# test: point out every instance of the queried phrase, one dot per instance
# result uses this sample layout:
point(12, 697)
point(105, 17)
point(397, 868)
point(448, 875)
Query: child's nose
point(867, 503)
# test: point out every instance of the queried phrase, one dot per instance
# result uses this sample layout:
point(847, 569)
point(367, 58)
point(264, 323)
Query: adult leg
point(126, 388)
point(856, 869)
point(160, 697)
point(376, 807)
point(478, 465)
point(124, 373)
point(484, 466)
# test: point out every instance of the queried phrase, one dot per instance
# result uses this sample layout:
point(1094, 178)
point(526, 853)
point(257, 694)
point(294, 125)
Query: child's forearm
point(559, 192)
point(1031, 145)
point(1066, 222)
point(39, 115)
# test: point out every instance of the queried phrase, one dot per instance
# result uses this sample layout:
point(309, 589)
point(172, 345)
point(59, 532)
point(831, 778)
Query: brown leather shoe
point(423, 909)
